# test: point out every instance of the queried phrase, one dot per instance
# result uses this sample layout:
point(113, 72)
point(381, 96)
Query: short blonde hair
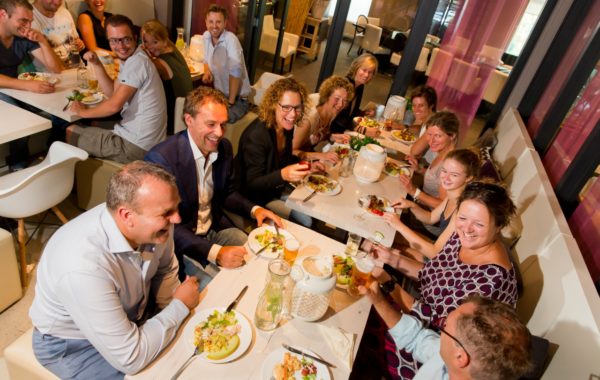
point(272, 96)
point(362, 60)
point(333, 83)
point(155, 29)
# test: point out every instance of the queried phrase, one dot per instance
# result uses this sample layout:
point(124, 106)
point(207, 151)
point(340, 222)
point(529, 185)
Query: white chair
point(268, 42)
point(38, 188)
point(359, 32)
point(371, 40)
point(178, 124)
point(421, 65)
point(374, 21)
point(261, 85)
point(494, 86)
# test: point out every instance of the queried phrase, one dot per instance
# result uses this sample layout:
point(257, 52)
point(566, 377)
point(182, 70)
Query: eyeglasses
point(124, 40)
point(457, 341)
point(287, 108)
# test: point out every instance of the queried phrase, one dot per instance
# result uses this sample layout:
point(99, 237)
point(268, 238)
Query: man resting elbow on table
point(107, 299)
point(137, 93)
point(202, 161)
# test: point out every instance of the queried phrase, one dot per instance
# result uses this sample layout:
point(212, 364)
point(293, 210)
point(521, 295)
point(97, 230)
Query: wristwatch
point(388, 286)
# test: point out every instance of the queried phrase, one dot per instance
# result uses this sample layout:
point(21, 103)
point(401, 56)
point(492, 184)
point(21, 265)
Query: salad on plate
point(218, 335)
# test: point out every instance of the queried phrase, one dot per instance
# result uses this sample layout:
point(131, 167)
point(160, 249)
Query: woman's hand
point(372, 132)
point(403, 203)
point(340, 138)
point(295, 172)
point(373, 292)
point(393, 219)
point(406, 182)
point(383, 255)
point(330, 156)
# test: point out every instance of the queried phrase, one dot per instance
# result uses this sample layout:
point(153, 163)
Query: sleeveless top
point(443, 221)
point(99, 32)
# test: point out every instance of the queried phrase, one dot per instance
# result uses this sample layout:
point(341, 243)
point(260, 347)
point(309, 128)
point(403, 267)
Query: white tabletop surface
point(342, 210)
point(345, 312)
point(388, 141)
point(52, 103)
point(18, 123)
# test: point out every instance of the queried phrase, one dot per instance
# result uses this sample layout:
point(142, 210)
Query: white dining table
point(390, 142)
point(52, 103)
point(342, 210)
point(18, 122)
point(344, 312)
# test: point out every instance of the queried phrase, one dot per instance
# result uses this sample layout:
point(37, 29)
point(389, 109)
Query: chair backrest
point(441, 61)
point(40, 187)
point(372, 37)
point(269, 24)
point(178, 124)
point(374, 21)
point(362, 20)
point(422, 61)
point(261, 85)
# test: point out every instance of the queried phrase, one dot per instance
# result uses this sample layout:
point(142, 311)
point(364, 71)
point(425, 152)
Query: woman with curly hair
point(313, 129)
point(265, 162)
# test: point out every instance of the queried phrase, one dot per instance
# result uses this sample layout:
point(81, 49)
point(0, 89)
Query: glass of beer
point(290, 250)
point(361, 274)
point(92, 81)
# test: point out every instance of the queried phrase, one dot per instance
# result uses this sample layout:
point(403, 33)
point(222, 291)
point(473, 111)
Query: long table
point(18, 123)
point(342, 210)
point(52, 103)
point(344, 311)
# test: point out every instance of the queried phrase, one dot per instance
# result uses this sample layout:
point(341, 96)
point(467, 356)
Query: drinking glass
point(361, 274)
point(82, 77)
point(352, 244)
point(290, 250)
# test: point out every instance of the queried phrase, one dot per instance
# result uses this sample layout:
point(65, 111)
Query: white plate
point(336, 190)
point(397, 135)
point(363, 202)
point(255, 245)
point(402, 169)
point(276, 357)
point(97, 99)
point(245, 334)
point(336, 146)
point(31, 75)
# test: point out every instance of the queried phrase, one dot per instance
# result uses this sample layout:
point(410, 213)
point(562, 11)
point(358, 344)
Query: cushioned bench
point(10, 284)
point(21, 362)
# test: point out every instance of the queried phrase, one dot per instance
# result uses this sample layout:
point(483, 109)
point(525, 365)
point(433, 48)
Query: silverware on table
point(309, 196)
point(237, 299)
point(276, 228)
point(67, 105)
point(300, 352)
point(187, 362)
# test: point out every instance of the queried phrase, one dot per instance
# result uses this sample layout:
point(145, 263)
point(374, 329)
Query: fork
point(187, 362)
point(67, 105)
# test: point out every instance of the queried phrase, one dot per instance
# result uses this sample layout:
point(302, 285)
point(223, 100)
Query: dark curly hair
point(494, 197)
point(272, 96)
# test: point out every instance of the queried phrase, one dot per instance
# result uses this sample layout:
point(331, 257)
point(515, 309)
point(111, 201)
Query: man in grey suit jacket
point(202, 162)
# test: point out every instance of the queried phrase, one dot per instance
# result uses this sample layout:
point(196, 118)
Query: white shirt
point(144, 116)
point(57, 30)
point(92, 285)
point(205, 194)
point(226, 58)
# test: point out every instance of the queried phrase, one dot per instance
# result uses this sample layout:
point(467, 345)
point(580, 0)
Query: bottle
point(180, 43)
point(269, 309)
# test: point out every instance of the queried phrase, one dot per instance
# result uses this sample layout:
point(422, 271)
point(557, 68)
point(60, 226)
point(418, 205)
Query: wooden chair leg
point(60, 215)
point(22, 238)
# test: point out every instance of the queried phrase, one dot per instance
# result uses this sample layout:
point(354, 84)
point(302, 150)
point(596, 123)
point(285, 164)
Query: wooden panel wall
point(298, 10)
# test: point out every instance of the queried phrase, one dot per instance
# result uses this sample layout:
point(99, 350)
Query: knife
point(237, 299)
point(299, 352)
point(309, 196)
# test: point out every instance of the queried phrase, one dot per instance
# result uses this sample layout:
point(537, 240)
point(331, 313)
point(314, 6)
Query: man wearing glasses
point(482, 339)
point(137, 93)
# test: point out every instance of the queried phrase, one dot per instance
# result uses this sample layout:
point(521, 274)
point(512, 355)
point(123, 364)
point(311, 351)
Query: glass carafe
point(180, 43)
point(271, 301)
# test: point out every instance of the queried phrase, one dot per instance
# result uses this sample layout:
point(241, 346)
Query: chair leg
point(22, 238)
point(60, 215)
point(292, 61)
point(282, 65)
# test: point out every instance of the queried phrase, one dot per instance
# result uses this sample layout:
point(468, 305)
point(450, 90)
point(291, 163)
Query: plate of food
point(281, 364)
point(45, 77)
point(92, 99)
point(393, 169)
point(375, 204)
point(221, 336)
point(341, 150)
point(342, 267)
point(321, 184)
point(367, 122)
point(404, 136)
point(267, 236)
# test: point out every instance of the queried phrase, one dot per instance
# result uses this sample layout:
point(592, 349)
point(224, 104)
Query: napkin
point(340, 342)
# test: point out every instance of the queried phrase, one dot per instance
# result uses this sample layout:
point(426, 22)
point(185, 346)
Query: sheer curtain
point(470, 51)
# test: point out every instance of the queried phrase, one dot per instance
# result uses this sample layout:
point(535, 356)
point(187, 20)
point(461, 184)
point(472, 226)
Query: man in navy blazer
point(202, 162)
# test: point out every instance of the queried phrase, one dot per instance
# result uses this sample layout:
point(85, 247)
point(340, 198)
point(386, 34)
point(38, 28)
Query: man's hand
point(35, 36)
point(262, 213)
point(41, 87)
point(231, 256)
point(76, 107)
point(373, 292)
point(91, 57)
point(187, 292)
point(79, 43)
point(207, 76)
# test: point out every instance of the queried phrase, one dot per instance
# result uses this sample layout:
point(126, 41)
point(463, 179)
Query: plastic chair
point(261, 85)
point(421, 65)
point(268, 42)
point(359, 32)
point(372, 39)
point(38, 188)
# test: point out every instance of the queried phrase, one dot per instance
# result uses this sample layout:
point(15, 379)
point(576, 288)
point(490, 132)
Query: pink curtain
point(585, 225)
point(575, 129)
point(471, 49)
point(570, 58)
